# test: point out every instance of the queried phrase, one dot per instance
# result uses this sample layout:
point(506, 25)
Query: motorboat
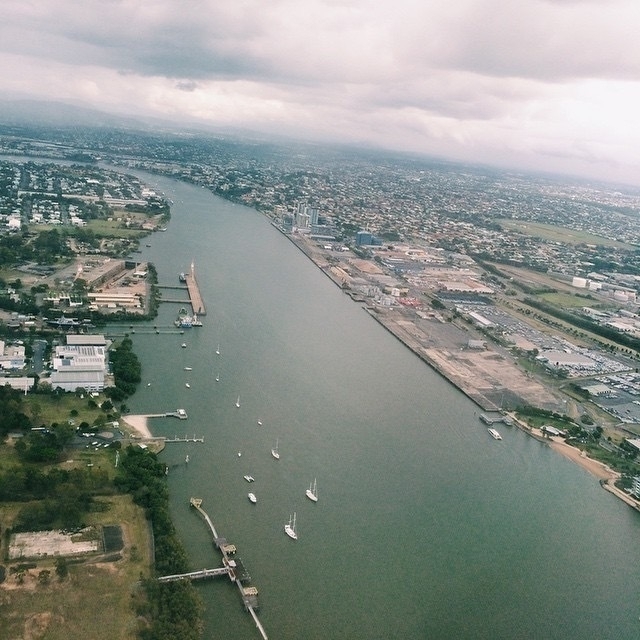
point(249, 478)
point(238, 402)
point(252, 497)
point(274, 452)
point(494, 434)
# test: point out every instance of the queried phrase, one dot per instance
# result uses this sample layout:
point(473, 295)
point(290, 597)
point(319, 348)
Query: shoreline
point(605, 475)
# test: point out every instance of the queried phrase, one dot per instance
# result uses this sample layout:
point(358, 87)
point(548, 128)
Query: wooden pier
point(197, 303)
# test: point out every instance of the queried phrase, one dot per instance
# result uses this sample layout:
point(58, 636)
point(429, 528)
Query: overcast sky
point(541, 84)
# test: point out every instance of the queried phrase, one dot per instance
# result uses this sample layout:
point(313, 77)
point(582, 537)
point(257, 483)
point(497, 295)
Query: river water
point(425, 526)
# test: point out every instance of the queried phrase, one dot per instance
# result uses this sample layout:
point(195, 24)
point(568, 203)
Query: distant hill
point(59, 114)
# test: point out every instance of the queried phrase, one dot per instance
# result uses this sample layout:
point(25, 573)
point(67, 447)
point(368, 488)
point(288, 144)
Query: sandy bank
point(598, 469)
point(138, 423)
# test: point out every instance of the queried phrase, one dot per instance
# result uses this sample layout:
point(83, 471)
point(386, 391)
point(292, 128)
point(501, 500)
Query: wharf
point(197, 304)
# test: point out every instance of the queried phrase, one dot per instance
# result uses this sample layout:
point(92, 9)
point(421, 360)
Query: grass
point(47, 409)
point(566, 300)
point(553, 233)
point(95, 601)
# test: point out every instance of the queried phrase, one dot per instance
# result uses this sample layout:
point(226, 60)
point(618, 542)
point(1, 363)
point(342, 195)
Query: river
point(425, 526)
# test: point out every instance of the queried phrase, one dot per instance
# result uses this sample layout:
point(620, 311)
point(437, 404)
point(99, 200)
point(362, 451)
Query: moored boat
point(312, 491)
point(290, 528)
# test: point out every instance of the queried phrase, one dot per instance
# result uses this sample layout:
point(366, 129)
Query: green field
point(553, 233)
point(566, 300)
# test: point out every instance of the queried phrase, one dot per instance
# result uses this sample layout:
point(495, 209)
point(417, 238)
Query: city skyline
point(547, 85)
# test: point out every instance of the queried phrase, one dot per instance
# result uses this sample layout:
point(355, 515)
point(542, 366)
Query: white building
point(81, 363)
point(11, 356)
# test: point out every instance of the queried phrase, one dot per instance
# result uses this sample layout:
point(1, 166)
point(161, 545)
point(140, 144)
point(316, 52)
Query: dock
point(197, 304)
point(181, 414)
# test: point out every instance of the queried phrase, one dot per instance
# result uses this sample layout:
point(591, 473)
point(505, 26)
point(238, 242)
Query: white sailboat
point(312, 491)
point(274, 452)
point(238, 402)
point(290, 528)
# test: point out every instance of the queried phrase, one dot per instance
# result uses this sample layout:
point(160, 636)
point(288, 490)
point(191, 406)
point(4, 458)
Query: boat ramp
point(231, 566)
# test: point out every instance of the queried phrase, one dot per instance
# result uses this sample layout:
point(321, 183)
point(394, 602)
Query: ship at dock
point(186, 321)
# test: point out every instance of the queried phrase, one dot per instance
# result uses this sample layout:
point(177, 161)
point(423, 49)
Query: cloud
point(491, 78)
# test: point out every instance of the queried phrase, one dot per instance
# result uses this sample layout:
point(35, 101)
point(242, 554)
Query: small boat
point(259, 423)
point(252, 497)
point(312, 491)
point(274, 452)
point(249, 478)
point(148, 384)
point(290, 528)
point(186, 384)
point(188, 368)
point(184, 345)
point(239, 454)
point(238, 402)
point(218, 350)
point(186, 460)
point(494, 434)
point(218, 378)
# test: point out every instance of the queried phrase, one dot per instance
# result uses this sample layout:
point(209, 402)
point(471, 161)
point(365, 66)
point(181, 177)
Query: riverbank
point(485, 376)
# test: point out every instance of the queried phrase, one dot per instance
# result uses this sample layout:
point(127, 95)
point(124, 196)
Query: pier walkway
point(232, 567)
point(196, 575)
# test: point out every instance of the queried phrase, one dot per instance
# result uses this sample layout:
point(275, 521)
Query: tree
point(62, 568)
point(44, 577)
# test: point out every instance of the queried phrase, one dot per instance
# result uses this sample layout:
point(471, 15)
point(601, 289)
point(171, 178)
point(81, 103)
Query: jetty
point(197, 304)
point(231, 567)
point(185, 439)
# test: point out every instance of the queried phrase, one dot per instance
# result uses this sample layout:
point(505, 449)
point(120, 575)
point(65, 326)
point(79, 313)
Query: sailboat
point(312, 491)
point(290, 527)
point(274, 452)
point(238, 402)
